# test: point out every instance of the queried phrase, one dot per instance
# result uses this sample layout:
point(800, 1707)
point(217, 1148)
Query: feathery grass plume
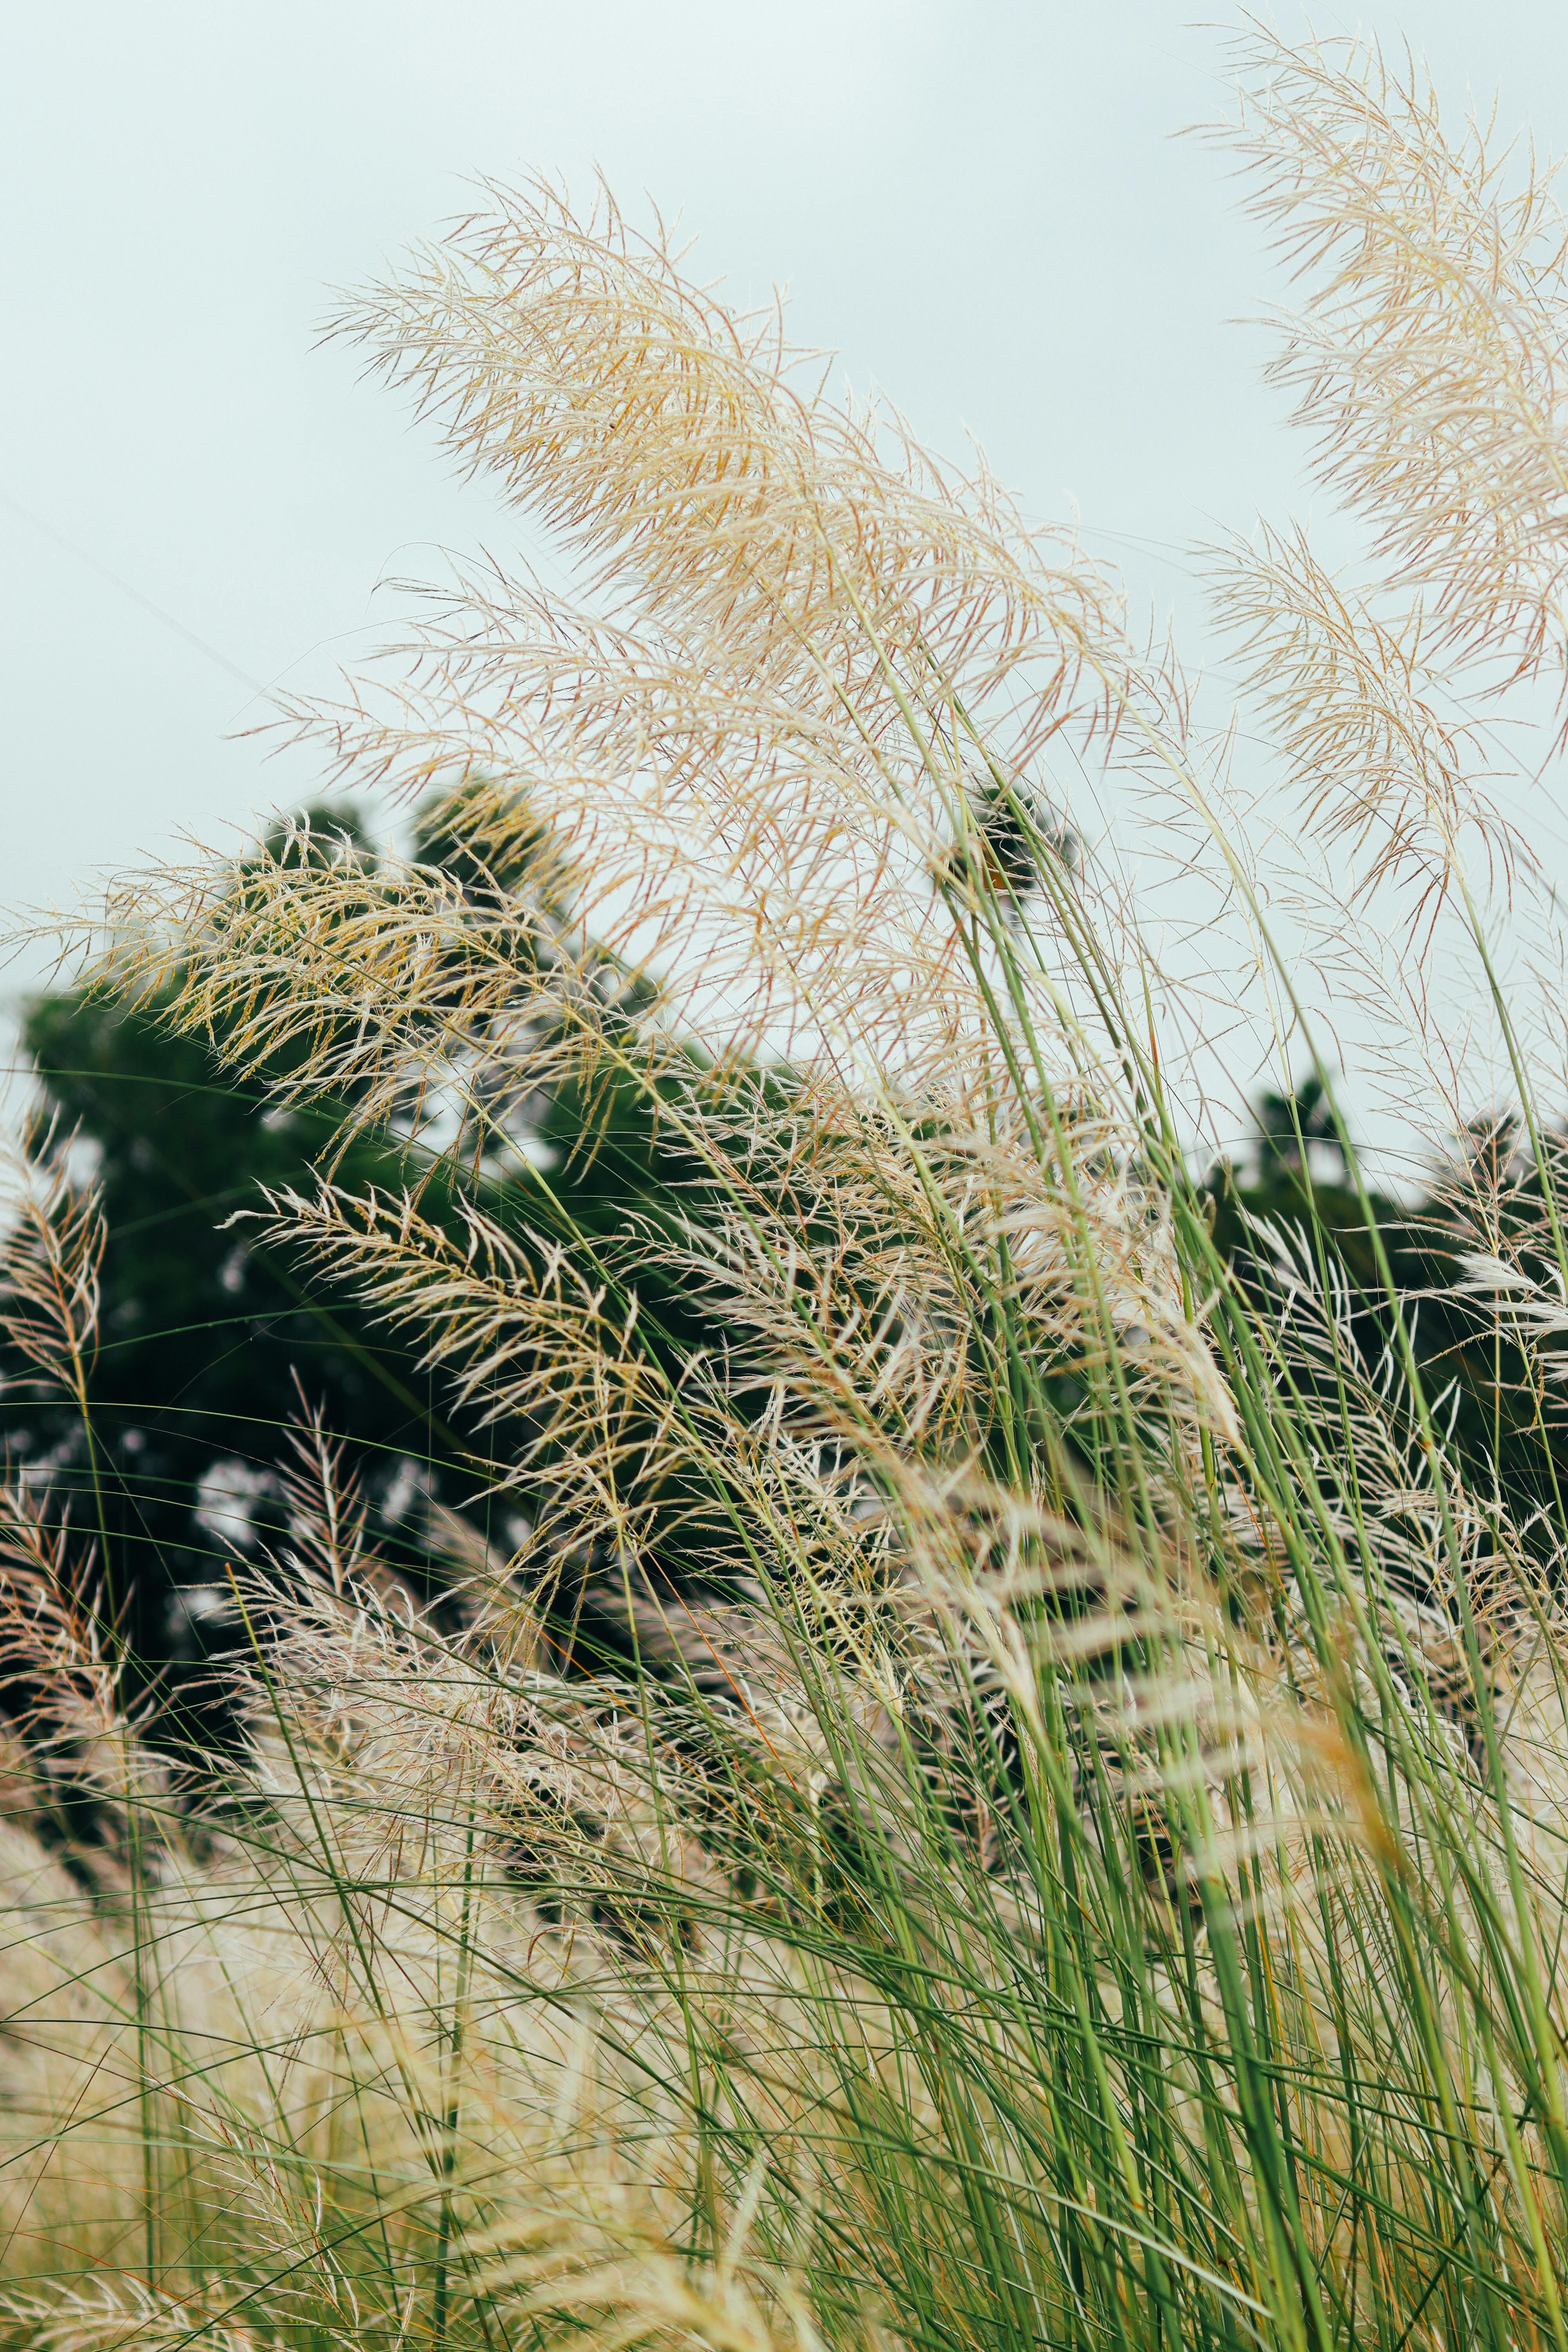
point(1426, 361)
point(1016, 1797)
point(50, 1276)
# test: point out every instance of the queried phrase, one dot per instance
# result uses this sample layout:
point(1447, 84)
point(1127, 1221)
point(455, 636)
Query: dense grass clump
point(1001, 1782)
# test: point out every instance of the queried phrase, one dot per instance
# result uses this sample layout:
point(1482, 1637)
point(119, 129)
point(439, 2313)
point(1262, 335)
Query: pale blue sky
point(979, 203)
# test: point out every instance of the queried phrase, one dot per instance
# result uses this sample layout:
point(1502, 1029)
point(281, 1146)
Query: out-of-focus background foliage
point(211, 1328)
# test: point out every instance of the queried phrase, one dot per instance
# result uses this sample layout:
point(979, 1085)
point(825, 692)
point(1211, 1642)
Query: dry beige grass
point(1076, 1854)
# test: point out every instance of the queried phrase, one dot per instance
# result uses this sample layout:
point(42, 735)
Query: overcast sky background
point(980, 204)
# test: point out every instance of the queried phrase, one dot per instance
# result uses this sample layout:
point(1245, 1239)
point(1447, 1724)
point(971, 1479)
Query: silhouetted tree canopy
point(1301, 1190)
point(213, 1332)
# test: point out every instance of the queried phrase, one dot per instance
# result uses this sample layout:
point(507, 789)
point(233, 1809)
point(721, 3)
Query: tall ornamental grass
point(1019, 1799)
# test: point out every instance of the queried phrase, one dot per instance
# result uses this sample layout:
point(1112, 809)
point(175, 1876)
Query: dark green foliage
point(1017, 839)
point(1503, 1428)
point(1288, 1128)
point(210, 1330)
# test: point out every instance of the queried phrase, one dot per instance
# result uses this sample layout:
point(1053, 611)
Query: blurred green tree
point(1297, 1214)
point(210, 1330)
